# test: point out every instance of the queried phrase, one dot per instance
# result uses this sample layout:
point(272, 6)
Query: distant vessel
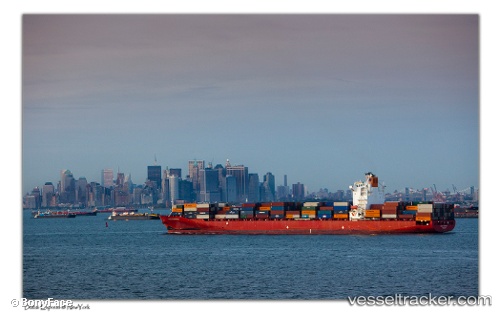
point(466, 212)
point(366, 214)
point(117, 209)
point(84, 213)
point(133, 216)
point(53, 214)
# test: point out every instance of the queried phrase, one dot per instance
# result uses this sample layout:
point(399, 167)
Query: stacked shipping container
point(340, 210)
point(422, 212)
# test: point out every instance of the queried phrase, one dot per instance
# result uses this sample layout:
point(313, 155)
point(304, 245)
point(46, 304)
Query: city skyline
point(321, 98)
point(112, 176)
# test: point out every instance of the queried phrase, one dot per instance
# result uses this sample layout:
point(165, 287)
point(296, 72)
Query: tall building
point(48, 191)
point(283, 191)
point(240, 173)
point(107, 177)
point(173, 182)
point(298, 191)
point(194, 167)
point(209, 186)
point(269, 187)
point(120, 179)
point(253, 188)
point(174, 172)
point(81, 191)
point(67, 193)
point(154, 175)
point(230, 190)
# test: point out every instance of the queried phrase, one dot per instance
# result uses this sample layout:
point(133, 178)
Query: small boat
point(117, 209)
point(133, 216)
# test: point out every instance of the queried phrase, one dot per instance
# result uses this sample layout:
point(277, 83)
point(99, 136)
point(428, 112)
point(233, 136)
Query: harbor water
point(90, 257)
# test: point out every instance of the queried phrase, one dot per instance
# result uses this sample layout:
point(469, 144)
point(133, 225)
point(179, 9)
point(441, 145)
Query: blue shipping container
point(277, 216)
point(340, 208)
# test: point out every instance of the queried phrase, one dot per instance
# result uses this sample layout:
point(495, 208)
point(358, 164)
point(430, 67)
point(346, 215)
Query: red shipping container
point(405, 217)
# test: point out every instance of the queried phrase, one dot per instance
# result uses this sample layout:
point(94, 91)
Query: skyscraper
point(81, 191)
point(194, 167)
point(230, 189)
point(298, 191)
point(67, 187)
point(209, 186)
point(154, 175)
point(107, 177)
point(240, 173)
point(269, 187)
point(173, 183)
point(253, 188)
point(48, 191)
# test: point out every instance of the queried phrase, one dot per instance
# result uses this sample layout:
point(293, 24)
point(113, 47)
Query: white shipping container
point(203, 205)
point(427, 210)
point(231, 216)
point(311, 204)
point(389, 216)
point(190, 209)
point(203, 216)
point(337, 204)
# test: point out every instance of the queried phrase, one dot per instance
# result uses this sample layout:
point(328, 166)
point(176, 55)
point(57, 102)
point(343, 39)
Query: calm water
point(81, 258)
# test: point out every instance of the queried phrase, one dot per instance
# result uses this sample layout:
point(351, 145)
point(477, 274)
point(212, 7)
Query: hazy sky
point(321, 98)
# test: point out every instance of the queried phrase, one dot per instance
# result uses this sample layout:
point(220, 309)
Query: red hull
point(181, 225)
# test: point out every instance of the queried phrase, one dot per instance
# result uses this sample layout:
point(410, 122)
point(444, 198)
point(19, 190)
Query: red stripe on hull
point(181, 225)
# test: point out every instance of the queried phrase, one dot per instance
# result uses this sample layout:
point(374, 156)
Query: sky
point(322, 98)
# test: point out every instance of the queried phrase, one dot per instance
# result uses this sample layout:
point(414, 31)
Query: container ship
point(368, 213)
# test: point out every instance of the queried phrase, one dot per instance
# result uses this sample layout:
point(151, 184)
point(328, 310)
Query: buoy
point(106, 223)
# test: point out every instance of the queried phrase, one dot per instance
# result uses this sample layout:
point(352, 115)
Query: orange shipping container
point(265, 208)
point(372, 213)
point(176, 209)
point(411, 207)
point(423, 216)
point(310, 214)
point(190, 205)
point(340, 215)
